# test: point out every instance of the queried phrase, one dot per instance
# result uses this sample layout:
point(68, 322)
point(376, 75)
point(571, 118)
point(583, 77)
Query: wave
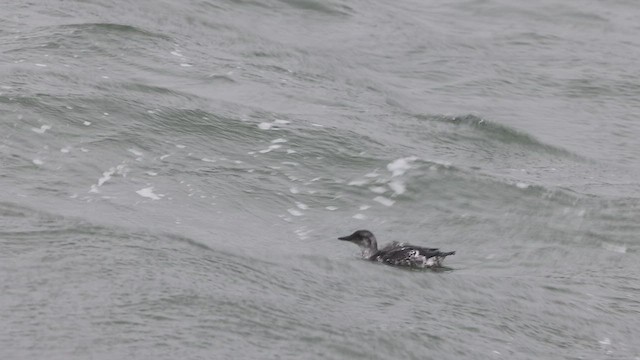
point(489, 130)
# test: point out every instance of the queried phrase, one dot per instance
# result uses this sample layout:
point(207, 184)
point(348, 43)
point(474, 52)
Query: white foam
point(38, 161)
point(289, 151)
point(135, 152)
point(295, 212)
point(372, 174)
point(400, 166)
point(359, 216)
point(186, 65)
point(148, 192)
point(41, 65)
point(152, 173)
point(281, 122)
point(270, 148)
point(176, 53)
point(303, 233)
point(42, 129)
point(164, 156)
point(265, 125)
point(443, 163)
point(208, 160)
point(106, 176)
point(302, 206)
point(357, 182)
point(615, 248)
point(294, 190)
point(397, 187)
point(378, 189)
point(384, 201)
point(179, 146)
point(65, 149)
point(279, 140)
point(522, 185)
point(331, 208)
point(86, 123)
point(364, 207)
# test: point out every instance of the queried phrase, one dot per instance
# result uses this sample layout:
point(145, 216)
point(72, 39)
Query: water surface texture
point(175, 174)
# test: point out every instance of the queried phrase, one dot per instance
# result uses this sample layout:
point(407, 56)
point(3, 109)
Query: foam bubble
point(383, 200)
point(289, 151)
point(86, 123)
point(357, 182)
point(148, 192)
point(281, 122)
point(42, 129)
point(186, 65)
point(279, 140)
point(522, 185)
point(135, 152)
point(38, 162)
point(400, 166)
point(270, 148)
point(331, 208)
point(364, 207)
point(378, 189)
point(295, 212)
point(208, 160)
point(397, 187)
point(359, 216)
point(302, 206)
point(605, 341)
point(265, 125)
point(615, 248)
point(294, 190)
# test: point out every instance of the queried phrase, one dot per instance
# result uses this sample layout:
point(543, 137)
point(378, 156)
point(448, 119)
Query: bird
point(396, 253)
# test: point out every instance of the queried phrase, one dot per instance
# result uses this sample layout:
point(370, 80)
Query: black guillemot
point(397, 254)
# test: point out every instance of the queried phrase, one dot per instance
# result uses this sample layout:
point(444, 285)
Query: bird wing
point(391, 246)
point(407, 255)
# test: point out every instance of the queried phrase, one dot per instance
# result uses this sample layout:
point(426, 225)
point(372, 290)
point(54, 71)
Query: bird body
point(395, 253)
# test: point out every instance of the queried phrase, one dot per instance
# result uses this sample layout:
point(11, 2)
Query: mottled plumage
point(397, 254)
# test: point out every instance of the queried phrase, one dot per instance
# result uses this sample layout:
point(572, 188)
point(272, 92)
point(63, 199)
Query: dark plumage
point(396, 253)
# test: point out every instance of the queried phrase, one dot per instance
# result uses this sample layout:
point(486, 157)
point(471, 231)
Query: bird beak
point(346, 238)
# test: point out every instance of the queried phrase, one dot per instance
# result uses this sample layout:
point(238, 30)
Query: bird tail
point(443, 254)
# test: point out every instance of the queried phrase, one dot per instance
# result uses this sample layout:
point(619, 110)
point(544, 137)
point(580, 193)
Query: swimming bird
point(397, 254)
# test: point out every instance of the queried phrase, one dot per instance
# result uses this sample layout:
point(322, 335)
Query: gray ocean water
point(175, 174)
